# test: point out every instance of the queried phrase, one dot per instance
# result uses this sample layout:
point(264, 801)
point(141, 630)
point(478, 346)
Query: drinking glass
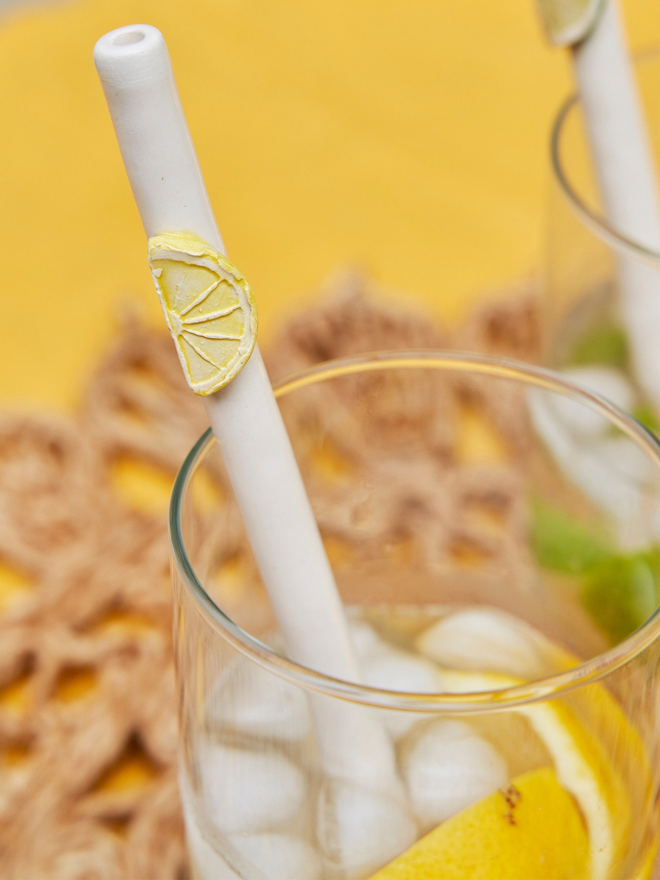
point(493, 529)
point(588, 257)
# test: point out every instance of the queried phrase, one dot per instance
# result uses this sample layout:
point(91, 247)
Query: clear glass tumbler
point(590, 264)
point(493, 529)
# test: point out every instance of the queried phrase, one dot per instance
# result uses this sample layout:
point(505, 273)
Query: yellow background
point(408, 138)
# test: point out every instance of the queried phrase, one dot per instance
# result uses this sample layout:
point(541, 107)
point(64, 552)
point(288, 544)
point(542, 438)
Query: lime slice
point(621, 592)
point(533, 829)
point(569, 21)
point(208, 307)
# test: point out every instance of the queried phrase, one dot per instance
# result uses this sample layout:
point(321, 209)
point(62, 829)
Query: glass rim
point(593, 221)
point(488, 700)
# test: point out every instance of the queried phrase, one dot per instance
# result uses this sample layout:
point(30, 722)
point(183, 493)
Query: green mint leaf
point(606, 345)
point(562, 543)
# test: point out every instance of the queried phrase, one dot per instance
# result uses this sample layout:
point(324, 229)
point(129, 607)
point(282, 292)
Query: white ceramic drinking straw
point(625, 171)
point(135, 70)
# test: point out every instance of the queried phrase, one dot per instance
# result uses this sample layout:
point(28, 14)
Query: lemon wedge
point(208, 306)
point(532, 829)
point(569, 21)
point(580, 762)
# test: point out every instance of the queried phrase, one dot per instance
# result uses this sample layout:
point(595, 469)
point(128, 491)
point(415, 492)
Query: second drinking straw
point(137, 78)
point(622, 158)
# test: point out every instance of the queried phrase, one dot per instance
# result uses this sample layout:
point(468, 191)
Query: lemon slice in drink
point(580, 763)
point(208, 307)
point(569, 21)
point(533, 830)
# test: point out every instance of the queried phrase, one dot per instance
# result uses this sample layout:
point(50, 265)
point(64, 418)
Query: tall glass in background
point(581, 314)
point(503, 611)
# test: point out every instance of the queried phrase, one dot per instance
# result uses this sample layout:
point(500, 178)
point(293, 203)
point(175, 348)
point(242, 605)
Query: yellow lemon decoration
point(569, 21)
point(531, 830)
point(208, 306)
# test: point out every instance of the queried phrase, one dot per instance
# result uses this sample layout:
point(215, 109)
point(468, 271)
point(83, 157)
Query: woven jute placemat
point(88, 729)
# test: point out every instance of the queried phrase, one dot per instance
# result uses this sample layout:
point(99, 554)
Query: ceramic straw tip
point(135, 53)
point(138, 81)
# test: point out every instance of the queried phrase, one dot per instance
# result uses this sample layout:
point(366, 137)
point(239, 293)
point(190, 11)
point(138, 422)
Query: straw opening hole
point(128, 37)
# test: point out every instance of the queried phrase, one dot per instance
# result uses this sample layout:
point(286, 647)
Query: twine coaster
point(88, 732)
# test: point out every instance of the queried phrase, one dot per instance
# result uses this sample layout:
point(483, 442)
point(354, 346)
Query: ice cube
point(395, 670)
point(249, 791)
point(485, 639)
point(448, 768)
point(366, 641)
point(207, 864)
point(255, 702)
point(279, 856)
point(610, 470)
point(580, 419)
point(360, 830)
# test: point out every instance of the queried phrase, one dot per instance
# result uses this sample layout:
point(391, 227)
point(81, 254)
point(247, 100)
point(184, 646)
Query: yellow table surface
point(409, 138)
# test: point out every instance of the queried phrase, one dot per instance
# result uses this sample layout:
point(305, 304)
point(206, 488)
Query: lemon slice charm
point(567, 22)
point(208, 306)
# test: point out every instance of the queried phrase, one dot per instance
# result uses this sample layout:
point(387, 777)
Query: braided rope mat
point(88, 731)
